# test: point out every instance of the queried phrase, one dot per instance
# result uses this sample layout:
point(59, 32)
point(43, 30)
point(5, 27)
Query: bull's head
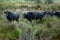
point(7, 12)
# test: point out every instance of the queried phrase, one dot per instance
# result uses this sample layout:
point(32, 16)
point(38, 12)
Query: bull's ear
point(4, 11)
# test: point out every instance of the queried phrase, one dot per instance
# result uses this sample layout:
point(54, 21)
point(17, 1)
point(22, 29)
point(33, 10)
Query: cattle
point(49, 13)
point(34, 16)
point(57, 14)
point(11, 16)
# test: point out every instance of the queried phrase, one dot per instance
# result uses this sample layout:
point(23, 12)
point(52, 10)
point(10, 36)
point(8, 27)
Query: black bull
point(57, 14)
point(34, 16)
point(30, 15)
point(11, 16)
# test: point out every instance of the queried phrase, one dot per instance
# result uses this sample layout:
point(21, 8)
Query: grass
point(14, 31)
point(43, 7)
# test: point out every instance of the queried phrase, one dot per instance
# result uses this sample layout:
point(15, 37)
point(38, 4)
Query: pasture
point(23, 29)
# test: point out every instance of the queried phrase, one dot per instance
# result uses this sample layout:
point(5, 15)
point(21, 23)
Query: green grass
point(43, 7)
point(14, 31)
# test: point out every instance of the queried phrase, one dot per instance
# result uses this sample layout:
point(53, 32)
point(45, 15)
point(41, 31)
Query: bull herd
point(31, 15)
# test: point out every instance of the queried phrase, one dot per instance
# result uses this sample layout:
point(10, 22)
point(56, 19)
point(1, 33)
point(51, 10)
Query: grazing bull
point(11, 16)
point(57, 14)
point(34, 16)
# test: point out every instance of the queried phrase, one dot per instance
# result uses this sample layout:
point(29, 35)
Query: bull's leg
point(30, 19)
point(41, 19)
point(17, 20)
point(31, 22)
point(51, 15)
point(9, 20)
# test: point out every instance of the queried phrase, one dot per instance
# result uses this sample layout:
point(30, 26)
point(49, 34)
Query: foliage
point(48, 30)
point(32, 1)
